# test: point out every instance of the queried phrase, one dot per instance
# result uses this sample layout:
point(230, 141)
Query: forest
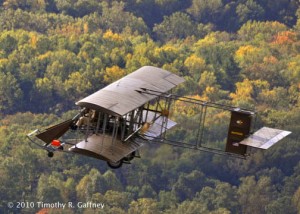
point(244, 53)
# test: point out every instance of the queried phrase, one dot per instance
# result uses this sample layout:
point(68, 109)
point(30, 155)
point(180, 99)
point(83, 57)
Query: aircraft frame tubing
point(49, 149)
point(192, 100)
point(199, 148)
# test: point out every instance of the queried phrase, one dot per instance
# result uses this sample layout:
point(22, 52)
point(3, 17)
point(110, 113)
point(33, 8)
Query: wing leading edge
point(121, 96)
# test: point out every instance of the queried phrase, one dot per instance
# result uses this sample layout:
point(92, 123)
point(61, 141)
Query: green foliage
point(180, 24)
point(249, 10)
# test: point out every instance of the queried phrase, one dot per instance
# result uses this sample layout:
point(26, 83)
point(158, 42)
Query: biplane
point(114, 122)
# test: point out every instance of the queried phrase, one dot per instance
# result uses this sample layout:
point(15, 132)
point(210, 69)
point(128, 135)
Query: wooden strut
point(204, 105)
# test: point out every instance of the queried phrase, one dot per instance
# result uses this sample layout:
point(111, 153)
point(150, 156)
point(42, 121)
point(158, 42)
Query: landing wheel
point(115, 165)
point(129, 157)
point(50, 154)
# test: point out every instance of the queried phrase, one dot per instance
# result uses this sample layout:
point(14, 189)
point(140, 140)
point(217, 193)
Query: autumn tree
point(143, 206)
point(180, 24)
point(10, 93)
point(114, 73)
point(195, 66)
point(89, 185)
point(205, 11)
point(255, 30)
point(255, 195)
point(250, 10)
point(247, 92)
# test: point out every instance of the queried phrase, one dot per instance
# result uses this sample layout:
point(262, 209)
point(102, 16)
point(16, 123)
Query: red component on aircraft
point(56, 143)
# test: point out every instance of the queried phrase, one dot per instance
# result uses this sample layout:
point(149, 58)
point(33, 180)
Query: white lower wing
point(265, 137)
point(159, 126)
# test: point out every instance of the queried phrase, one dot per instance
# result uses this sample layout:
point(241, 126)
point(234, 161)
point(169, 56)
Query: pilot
point(87, 117)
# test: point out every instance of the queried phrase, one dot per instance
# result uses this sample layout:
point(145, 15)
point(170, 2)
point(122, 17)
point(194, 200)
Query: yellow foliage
point(109, 35)
point(128, 56)
point(170, 48)
point(3, 62)
point(294, 69)
point(216, 117)
point(210, 92)
point(244, 91)
point(188, 109)
point(45, 55)
point(248, 55)
point(78, 82)
point(207, 40)
point(42, 81)
point(114, 73)
point(248, 90)
point(143, 206)
point(245, 51)
point(44, 84)
point(166, 52)
point(194, 63)
point(33, 40)
point(85, 28)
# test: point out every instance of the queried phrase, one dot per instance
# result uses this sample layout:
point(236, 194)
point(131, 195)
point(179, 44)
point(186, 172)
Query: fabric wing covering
point(265, 137)
point(121, 96)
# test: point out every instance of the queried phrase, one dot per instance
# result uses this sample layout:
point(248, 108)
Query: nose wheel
point(50, 154)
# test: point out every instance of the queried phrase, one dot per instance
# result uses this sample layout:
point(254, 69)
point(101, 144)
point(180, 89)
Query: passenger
point(87, 117)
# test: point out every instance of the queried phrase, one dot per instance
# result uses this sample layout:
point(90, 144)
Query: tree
point(165, 54)
point(249, 10)
point(180, 24)
point(293, 72)
point(247, 92)
point(142, 54)
point(118, 199)
point(115, 17)
point(296, 200)
point(281, 205)
point(248, 55)
point(188, 184)
point(254, 195)
point(7, 43)
point(195, 65)
point(10, 93)
point(34, 5)
point(278, 98)
point(205, 11)
point(218, 53)
point(114, 73)
point(146, 191)
point(297, 26)
point(191, 207)
point(90, 184)
point(143, 206)
point(48, 191)
point(281, 10)
point(222, 195)
point(166, 200)
point(255, 30)
point(112, 182)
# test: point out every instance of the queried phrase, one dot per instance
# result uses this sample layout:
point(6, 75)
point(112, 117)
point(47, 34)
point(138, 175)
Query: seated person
point(86, 118)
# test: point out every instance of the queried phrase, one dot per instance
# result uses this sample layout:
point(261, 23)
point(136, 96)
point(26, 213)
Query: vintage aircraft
point(116, 121)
